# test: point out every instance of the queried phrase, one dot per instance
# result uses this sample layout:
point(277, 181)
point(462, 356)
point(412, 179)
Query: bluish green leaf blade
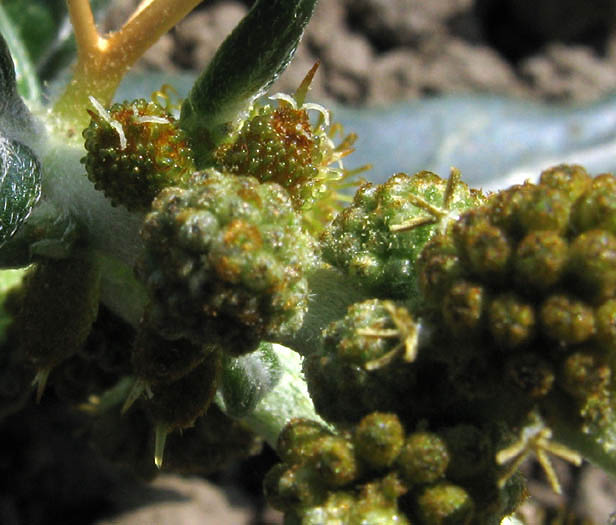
point(245, 65)
point(20, 186)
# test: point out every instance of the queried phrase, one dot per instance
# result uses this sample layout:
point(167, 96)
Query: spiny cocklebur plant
point(186, 273)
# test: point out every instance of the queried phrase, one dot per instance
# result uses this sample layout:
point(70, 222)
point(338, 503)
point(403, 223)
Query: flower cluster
point(134, 150)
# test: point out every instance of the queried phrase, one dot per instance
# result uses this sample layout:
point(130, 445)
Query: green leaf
point(7, 74)
point(10, 280)
point(20, 186)
point(16, 121)
point(245, 65)
point(248, 379)
point(597, 446)
point(47, 16)
point(25, 76)
point(47, 50)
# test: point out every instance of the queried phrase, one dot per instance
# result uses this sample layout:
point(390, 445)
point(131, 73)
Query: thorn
point(452, 182)
point(302, 90)
point(159, 444)
point(139, 387)
point(40, 381)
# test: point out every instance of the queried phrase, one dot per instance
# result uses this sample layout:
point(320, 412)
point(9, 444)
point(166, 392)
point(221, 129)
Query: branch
point(151, 20)
point(103, 61)
point(88, 40)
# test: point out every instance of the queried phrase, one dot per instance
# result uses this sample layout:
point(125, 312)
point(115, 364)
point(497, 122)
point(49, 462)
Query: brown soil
point(371, 52)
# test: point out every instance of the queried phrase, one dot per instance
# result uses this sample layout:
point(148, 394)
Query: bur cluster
point(281, 143)
point(225, 262)
point(530, 279)
point(377, 239)
point(377, 472)
point(134, 150)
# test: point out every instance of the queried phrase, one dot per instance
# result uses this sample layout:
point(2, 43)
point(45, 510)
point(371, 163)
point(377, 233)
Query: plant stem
point(103, 61)
point(86, 34)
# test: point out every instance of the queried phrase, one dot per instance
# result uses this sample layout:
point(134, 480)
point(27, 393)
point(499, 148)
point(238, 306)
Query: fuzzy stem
point(103, 61)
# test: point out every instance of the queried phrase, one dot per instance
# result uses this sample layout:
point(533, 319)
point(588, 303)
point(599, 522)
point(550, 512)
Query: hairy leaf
point(16, 121)
point(248, 379)
point(7, 75)
point(26, 78)
point(20, 186)
point(245, 65)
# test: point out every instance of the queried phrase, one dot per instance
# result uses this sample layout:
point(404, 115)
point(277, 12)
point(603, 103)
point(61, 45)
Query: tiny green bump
point(596, 208)
point(573, 179)
point(298, 440)
point(463, 308)
point(592, 260)
point(504, 208)
point(378, 439)
point(605, 318)
point(296, 486)
point(438, 266)
point(567, 320)
point(540, 260)
point(545, 208)
point(588, 379)
point(334, 461)
point(511, 321)
point(445, 504)
point(484, 247)
point(423, 459)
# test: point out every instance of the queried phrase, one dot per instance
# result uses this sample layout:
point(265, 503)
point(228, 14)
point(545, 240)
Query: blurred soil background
point(377, 51)
point(372, 52)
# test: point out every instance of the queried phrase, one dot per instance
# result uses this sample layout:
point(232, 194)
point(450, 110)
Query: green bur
point(548, 339)
point(378, 238)
point(225, 262)
point(134, 150)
